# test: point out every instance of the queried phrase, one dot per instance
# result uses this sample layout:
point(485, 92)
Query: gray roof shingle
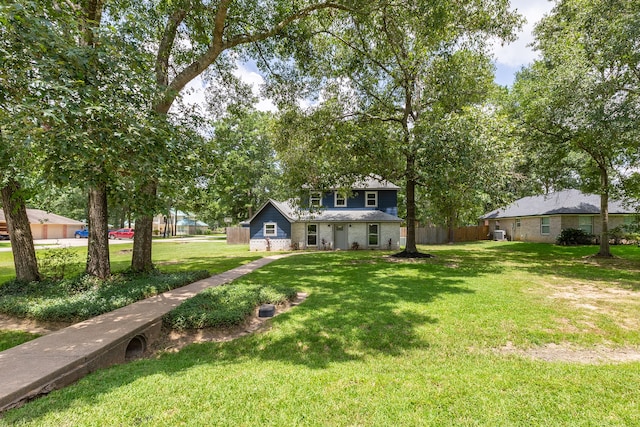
point(562, 202)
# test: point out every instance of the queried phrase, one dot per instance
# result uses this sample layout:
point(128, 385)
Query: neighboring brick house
point(542, 218)
point(367, 220)
point(46, 225)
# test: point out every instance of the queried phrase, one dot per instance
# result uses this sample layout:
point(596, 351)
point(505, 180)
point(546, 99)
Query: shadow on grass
point(571, 262)
point(360, 304)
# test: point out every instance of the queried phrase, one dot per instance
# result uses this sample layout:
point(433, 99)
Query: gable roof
point(37, 216)
point(292, 214)
point(572, 202)
point(374, 182)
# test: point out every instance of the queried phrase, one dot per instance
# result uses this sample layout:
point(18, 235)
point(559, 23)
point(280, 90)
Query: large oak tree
point(580, 100)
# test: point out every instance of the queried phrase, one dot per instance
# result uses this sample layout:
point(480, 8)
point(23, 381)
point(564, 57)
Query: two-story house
point(367, 219)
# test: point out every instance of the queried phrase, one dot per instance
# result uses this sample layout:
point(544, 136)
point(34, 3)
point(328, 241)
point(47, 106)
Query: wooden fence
point(237, 235)
point(439, 235)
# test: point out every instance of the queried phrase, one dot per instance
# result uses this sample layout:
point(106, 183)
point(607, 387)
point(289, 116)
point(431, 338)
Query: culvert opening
point(136, 348)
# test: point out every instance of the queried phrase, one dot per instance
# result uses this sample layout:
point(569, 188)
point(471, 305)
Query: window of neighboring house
point(518, 224)
point(315, 199)
point(374, 234)
point(545, 225)
point(585, 223)
point(371, 199)
point(629, 222)
point(270, 229)
point(312, 234)
point(340, 201)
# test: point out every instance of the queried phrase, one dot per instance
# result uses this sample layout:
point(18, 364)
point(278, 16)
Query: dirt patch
point(173, 340)
point(29, 325)
point(572, 354)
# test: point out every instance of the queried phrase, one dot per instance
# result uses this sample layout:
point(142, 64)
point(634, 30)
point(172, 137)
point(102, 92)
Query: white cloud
point(519, 53)
point(194, 93)
point(255, 80)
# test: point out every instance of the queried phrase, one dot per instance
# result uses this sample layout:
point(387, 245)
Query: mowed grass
point(382, 342)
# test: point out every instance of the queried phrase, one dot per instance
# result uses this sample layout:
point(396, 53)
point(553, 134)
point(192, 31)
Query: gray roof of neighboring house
point(292, 213)
point(562, 202)
point(371, 182)
point(37, 216)
point(374, 183)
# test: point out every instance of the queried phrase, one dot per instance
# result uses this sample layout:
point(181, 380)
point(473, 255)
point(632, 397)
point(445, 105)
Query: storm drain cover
point(267, 310)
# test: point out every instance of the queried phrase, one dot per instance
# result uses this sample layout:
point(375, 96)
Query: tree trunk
point(24, 253)
point(605, 250)
point(141, 261)
point(410, 247)
point(451, 228)
point(98, 262)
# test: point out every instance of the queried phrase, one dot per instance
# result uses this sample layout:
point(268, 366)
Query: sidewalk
point(62, 357)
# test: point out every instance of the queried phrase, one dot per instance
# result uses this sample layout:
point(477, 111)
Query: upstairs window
point(270, 229)
point(371, 199)
point(340, 201)
point(315, 199)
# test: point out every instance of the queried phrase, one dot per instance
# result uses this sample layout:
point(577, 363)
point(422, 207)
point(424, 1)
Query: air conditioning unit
point(499, 235)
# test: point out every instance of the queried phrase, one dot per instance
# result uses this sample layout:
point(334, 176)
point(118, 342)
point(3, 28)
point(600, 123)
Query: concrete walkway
point(62, 357)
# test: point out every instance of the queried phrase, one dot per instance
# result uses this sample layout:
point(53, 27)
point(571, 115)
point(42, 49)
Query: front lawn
point(483, 334)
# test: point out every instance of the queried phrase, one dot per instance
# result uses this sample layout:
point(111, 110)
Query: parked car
point(122, 233)
point(84, 233)
point(4, 236)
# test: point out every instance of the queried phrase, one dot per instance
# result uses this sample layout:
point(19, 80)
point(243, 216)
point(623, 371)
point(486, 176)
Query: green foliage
point(225, 306)
point(54, 263)
point(73, 300)
point(388, 78)
point(241, 170)
point(10, 339)
point(579, 102)
point(625, 235)
point(574, 236)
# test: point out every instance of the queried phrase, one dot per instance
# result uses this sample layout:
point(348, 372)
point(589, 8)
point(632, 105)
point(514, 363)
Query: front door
point(340, 237)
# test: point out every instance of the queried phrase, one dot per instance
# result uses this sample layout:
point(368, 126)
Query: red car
point(123, 233)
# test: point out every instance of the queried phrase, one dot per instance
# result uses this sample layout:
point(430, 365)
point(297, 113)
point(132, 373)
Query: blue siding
point(270, 214)
point(387, 201)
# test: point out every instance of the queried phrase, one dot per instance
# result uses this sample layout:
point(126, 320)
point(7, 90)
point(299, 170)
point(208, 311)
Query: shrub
point(73, 300)
point(624, 235)
point(225, 306)
point(55, 262)
point(574, 236)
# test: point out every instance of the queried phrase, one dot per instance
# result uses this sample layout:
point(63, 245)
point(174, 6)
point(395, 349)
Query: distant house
point(366, 220)
point(178, 223)
point(46, 225)
point(542, 218)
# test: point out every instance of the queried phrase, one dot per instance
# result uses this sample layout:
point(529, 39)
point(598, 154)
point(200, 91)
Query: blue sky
point(509, 58)
point(512, 57)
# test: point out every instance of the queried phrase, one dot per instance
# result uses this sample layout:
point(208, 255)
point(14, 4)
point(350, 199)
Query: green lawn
point(442, 341)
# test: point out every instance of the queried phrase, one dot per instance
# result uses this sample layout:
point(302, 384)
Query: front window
point(374, 234)
point(270, 229)
point(340, 200)
point(585, 223)
point(312, 234)
point(371, 199)
point(545, 225)
point(315, 199)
